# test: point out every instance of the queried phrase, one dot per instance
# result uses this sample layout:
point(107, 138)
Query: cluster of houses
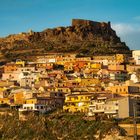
point(107, 85)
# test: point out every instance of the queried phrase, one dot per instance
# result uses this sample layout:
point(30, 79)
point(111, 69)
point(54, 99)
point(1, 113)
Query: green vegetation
point(54, 126)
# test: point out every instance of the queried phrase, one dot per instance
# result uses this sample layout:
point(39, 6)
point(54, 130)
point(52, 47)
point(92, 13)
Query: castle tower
point(30, 32)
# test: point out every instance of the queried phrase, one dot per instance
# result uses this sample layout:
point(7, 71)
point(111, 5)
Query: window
point(90, 110)
point(86, 97)
point(60, 95)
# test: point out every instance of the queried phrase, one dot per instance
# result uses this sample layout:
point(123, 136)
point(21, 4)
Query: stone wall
point(77, 22)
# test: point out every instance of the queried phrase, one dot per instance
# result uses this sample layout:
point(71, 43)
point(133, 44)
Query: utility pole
point(134, 119)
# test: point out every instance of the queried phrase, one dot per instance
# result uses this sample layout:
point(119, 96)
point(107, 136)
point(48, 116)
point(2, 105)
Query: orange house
point(19, 98)
point(49, 66)
point(68, 66)
point(80, 65)
point(89, 81)
point(116, 67)
point(10, 67)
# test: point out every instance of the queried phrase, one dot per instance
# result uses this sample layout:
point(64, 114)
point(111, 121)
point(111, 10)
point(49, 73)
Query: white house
point(134, 78)
point(136, 56)
point(12, 76)
point(121, 107)
point(35, 107)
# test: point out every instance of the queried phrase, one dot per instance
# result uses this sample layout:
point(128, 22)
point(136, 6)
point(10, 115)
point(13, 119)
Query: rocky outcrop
point(84, 37)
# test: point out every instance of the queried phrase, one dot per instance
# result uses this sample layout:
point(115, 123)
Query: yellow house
point(78, 102)
point(62, 84)
point(116, 67)
point(89, 81)
point(4, 101)
point(19, 98)
point(41, 65)
point(20, 62)
point(95, 88)
point(60, 63)
point(59, 89)
point(95, 66)
point(68, 67)
point(120, 58)
point(31, 101)
point(63, 89)
point(132, 68)
point(123, 89)
point(83, 59)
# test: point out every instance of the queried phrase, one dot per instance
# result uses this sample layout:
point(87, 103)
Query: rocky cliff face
point(83, 37)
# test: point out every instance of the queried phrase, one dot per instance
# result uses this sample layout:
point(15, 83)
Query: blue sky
point(22, 15)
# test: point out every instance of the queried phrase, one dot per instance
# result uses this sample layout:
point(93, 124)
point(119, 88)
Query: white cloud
point(123, 28)
point(129, 33)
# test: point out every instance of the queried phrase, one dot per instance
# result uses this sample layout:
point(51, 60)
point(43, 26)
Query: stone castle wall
point(77, 22)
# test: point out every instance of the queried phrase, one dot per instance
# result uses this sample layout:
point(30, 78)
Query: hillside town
point(97, 86)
